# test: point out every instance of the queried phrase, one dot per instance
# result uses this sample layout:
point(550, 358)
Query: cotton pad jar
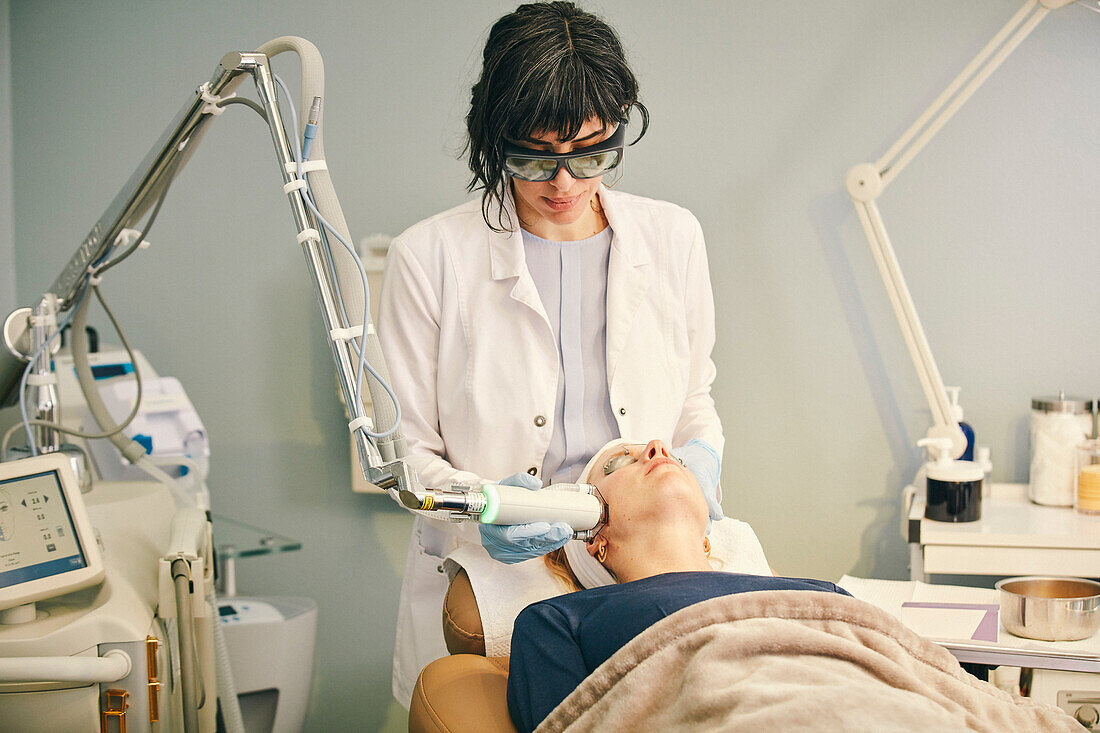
point(1058, 425)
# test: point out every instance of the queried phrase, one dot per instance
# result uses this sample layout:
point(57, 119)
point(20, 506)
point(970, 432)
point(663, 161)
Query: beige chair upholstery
point(462, 692)
point(462, 630)
point(466, 691)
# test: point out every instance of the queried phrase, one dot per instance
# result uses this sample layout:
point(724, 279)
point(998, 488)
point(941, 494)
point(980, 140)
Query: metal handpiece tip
point(409, 499)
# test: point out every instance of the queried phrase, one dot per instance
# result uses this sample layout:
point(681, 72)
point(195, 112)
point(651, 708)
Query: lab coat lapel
point(507, 260)
point(628, 277)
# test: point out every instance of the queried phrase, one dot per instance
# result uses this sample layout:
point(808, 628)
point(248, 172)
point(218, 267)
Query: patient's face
point(651, 489)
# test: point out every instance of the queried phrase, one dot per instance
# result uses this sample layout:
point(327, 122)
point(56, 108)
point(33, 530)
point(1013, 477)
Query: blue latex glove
point(512, 543)
point(704, 463)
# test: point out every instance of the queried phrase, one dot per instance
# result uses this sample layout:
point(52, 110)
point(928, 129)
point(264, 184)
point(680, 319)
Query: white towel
point(502, 591)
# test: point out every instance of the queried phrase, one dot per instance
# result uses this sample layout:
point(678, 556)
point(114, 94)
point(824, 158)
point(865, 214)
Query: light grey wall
point(7, 232)
point(759, 109)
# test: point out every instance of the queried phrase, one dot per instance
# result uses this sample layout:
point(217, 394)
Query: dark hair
point(547, 68)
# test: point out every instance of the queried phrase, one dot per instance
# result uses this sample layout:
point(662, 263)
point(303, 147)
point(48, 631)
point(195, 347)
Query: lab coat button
point(533, 470)
point(539, 421)
point(622, 410)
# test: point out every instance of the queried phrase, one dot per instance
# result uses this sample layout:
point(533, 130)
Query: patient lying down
point(657, 640)
point(653, 552)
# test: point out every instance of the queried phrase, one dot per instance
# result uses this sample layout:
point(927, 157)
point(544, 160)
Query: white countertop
point(1079, 656)
point(1010, 519)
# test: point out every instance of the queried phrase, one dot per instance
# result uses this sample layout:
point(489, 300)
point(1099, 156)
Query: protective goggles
point(538, 165)
point(629, 454)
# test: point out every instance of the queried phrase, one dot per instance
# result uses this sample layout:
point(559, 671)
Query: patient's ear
point(593, 546)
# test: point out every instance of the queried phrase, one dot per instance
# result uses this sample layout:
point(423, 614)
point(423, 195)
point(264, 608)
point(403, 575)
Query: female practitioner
point(531, 326)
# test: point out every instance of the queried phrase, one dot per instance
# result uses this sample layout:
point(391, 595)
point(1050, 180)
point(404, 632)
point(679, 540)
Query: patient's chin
point(679, 484)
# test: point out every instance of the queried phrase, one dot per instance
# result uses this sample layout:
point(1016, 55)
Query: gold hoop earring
point(601, 554)
point(706, 545)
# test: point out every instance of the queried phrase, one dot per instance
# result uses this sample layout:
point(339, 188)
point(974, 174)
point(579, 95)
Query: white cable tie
point(361, 422)
point(127, 236)
point(346, 334)
point(308, 234)
point(296, 185)
point(37, 380)
point(93, 278)
point(370, 329)
point(308, 166)
point(211, 107)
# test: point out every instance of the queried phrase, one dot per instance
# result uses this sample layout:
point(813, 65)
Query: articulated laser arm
point(336, 278)
point(338, 282)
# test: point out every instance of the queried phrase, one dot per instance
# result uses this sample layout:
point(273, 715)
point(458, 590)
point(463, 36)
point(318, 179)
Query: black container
point(954, 501)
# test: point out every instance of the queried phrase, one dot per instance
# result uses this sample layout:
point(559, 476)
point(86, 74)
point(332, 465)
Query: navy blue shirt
point(558, 642)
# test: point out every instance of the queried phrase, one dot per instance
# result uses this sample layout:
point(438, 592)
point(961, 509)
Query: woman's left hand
point(512, 543)
point(703, 462)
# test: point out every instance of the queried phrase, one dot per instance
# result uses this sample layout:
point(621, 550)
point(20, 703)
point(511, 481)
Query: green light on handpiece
point(492, 504)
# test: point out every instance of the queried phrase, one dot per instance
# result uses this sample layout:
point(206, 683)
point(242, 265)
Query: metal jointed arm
point(163, 161)
point(866, 182)
point(378, 461)
point(341, 295)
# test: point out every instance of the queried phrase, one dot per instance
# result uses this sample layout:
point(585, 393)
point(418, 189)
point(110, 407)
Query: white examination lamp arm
point(943, 422)
point(866, 182)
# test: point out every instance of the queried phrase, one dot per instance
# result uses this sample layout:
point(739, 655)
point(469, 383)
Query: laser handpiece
point(578, 505)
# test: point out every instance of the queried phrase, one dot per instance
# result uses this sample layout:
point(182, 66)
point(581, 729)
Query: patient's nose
point(656, 449)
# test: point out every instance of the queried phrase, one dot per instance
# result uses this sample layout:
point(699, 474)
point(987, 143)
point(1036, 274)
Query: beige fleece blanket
point(788, 661)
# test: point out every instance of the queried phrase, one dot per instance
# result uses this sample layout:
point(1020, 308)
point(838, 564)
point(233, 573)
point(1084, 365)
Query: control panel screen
point(37, 536)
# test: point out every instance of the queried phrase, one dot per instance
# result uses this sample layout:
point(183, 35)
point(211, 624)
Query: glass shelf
point(235, 539)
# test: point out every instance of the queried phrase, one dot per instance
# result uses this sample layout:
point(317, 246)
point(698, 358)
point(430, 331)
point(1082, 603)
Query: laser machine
point(118, 632)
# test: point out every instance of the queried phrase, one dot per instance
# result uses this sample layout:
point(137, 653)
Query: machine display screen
point(37, 536)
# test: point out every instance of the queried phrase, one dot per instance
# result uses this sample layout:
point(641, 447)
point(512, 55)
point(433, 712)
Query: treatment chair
point(466, 691)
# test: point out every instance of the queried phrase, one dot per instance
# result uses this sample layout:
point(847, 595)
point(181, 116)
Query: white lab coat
point(474, 361)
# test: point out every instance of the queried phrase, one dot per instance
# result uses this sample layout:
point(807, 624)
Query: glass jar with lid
point(1058, 426)
point(1088, 478)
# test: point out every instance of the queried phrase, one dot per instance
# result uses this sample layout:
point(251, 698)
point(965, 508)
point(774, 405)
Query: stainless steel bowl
point(1050, 608)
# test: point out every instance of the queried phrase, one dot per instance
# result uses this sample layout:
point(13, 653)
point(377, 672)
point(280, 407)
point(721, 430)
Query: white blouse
point(571, 278)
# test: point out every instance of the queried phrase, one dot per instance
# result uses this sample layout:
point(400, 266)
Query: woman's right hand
point(512, 543)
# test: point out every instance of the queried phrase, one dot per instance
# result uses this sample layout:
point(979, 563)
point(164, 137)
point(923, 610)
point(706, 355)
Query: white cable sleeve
point(185, 630)
point(189, 463)
point(111, 667)
point(130, 450)
point(179, 493)
point(193, 484)
point(227, 689)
